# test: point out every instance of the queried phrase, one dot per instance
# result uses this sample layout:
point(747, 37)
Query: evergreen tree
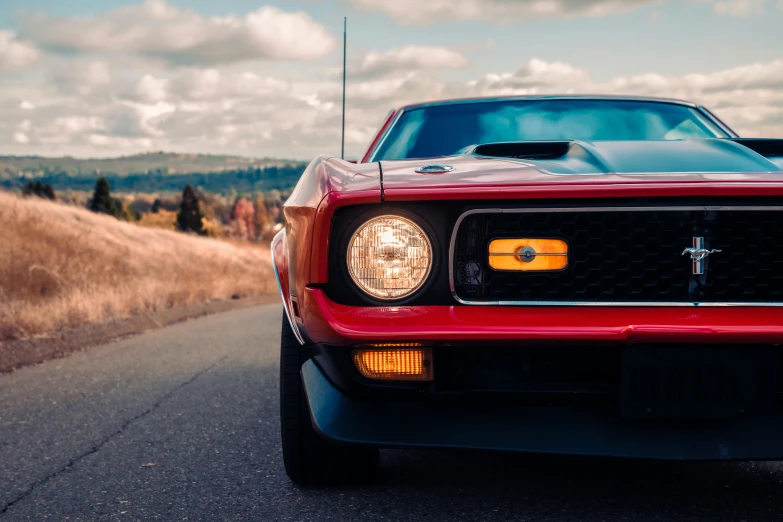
point(36, 188)
point(101, 201)
point(189, 215)
point(48, 192)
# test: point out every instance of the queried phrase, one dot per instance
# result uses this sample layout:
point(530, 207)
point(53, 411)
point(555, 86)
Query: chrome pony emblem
point(434, 168)
point(698, 254)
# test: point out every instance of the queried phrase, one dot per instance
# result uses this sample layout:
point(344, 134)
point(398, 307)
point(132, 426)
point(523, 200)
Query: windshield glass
point(443, 130)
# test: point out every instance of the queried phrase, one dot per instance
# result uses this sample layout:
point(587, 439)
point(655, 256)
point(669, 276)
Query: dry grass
point(165, 219)
point(62, 267)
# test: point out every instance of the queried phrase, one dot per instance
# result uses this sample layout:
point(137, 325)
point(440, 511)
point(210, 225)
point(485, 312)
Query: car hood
point(579, 162)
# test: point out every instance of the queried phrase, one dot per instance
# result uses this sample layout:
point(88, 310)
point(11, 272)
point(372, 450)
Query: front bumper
point(328, 322)
point(509, 426)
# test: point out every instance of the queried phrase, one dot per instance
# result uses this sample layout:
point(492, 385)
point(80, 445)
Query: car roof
point(619, 97)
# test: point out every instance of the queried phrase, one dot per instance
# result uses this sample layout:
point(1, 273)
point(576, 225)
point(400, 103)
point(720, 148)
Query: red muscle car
point(558, 274)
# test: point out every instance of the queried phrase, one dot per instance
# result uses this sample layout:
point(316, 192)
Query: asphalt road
point(182, 424)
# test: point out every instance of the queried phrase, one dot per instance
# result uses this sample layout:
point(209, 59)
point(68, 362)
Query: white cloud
point(739, 8)
point(184, 109)
point(82, 78)
point(154, 76)
point(423, 12)
point(211, 84)
point(79, 124)
point(118, 143)
point(14, 53)
point(533, 75)
point(182, 36)
point(216, 110)
point(150, 89)
point(405, 59)
point(148, 117)
point(749, 98)
point(767, 75)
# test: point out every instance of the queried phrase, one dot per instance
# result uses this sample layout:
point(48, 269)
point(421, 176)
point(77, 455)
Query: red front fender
point(280, 265)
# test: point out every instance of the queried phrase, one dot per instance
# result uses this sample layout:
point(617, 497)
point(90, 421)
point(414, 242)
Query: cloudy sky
point(262, 78)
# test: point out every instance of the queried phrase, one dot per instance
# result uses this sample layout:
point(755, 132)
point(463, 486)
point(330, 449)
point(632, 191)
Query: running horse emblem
point(698, 254)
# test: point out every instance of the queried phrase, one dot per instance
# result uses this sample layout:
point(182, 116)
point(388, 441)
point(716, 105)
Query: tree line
point(240, 180)
point(37, 188)
point(248, 217)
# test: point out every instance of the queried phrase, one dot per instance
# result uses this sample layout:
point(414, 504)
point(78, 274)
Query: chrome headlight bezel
point(422, 280)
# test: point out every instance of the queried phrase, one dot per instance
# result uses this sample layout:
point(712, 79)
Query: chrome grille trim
point(634, 304)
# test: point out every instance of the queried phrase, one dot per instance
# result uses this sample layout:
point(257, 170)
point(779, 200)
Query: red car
point(553, 274)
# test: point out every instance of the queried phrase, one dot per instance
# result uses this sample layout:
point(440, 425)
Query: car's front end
point(544, 297)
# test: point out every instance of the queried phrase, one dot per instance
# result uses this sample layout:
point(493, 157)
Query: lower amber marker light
point(394, 363)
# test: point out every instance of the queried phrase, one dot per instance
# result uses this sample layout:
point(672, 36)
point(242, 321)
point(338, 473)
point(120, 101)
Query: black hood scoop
point(767, 147)
point(534, 150)
point(640, 157)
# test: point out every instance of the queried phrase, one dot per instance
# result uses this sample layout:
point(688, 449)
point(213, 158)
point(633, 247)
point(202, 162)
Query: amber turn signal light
point(394, 362)
point(528, 255)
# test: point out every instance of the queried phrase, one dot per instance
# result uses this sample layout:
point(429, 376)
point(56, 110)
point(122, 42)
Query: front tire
point(310, 460)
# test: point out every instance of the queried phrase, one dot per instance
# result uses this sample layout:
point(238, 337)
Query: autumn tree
point(189, 218)
point(274, 205)
point(261, 220)
point(242, 214)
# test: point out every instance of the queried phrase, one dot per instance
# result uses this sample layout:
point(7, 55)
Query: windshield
point(443, 130)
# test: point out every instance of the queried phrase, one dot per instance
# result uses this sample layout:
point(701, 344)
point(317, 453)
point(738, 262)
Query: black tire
point(310, 460)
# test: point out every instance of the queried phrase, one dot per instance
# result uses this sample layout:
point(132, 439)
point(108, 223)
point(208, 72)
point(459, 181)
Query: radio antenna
point(345, 53)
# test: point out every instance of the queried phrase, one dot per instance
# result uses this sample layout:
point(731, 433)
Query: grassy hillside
point(62, 266)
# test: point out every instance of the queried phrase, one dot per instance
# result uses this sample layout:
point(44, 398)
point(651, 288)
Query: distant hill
point(158, 162)
point(155, 172)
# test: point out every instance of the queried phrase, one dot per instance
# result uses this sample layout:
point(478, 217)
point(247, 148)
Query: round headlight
point(389, 257)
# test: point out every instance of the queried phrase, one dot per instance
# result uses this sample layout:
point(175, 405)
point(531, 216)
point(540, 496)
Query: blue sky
point(102, 78)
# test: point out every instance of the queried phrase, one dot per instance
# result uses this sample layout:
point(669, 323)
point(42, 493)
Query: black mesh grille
point(628, 256)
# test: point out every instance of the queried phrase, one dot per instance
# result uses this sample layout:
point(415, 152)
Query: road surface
point(182, 424)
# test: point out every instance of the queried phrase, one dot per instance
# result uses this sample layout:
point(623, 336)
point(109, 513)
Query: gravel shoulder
point(24, 352)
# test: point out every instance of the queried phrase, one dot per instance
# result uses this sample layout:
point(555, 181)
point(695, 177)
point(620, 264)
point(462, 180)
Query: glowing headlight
point(389, 257)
